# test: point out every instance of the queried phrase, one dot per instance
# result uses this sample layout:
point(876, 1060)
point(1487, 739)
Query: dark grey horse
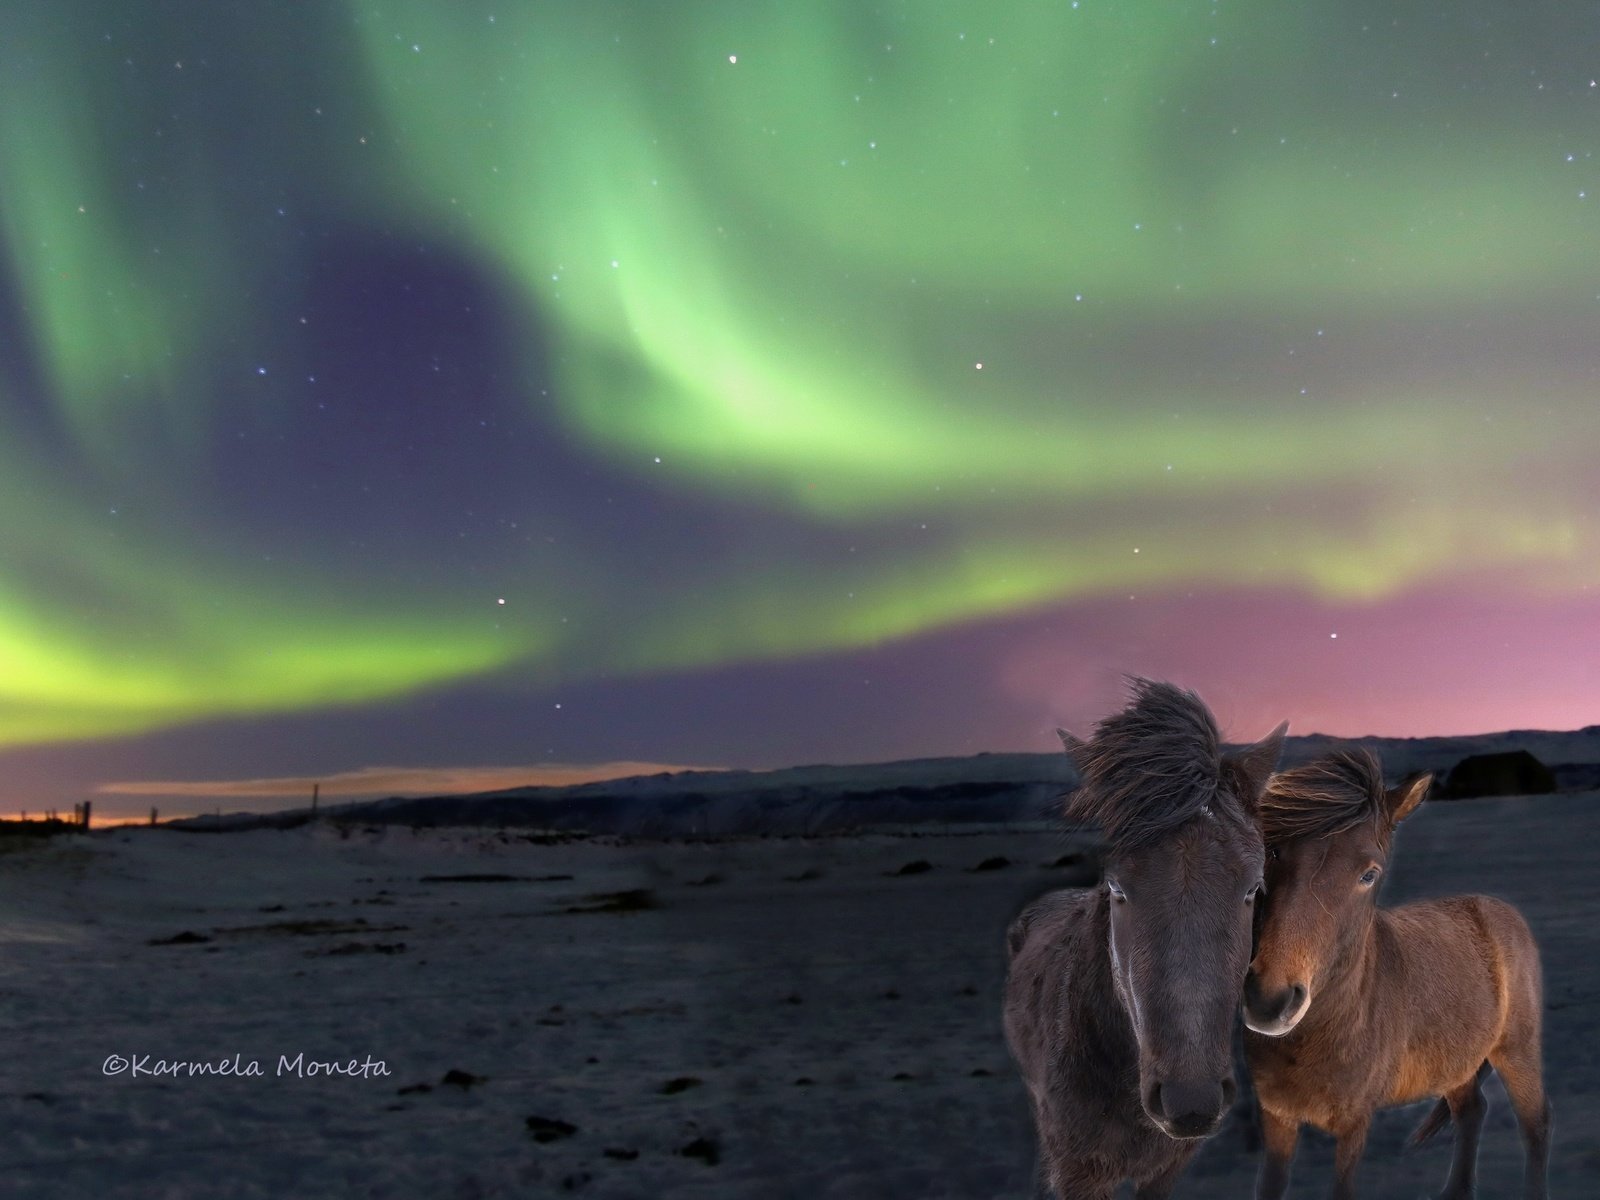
point(1120, 999)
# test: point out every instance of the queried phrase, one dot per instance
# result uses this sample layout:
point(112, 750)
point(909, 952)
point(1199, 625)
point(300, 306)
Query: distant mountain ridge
point(986, 789)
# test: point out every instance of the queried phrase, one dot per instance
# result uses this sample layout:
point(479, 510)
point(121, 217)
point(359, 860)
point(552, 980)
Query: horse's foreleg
point(1352, 1145)
point(1278, 1136)
point(1467, 1108)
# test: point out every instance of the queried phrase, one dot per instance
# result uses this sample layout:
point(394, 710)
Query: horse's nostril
point(1152, 1101)
point(1297, 999)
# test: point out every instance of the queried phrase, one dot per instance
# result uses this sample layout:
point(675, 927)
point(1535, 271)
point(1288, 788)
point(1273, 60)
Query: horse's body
point(1350, 1008)
point(1120, 999)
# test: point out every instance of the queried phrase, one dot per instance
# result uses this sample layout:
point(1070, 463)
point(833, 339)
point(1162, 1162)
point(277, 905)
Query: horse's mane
point(1150, 767)
point(1336, 792)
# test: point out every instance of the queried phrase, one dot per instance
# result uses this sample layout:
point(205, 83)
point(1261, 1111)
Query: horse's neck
point(1353, 979)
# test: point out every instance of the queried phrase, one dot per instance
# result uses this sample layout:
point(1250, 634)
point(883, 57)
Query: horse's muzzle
point(1189, 1109)
point(1276, 1013)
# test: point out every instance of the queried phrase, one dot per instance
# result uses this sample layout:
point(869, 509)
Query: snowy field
point(758, 1018)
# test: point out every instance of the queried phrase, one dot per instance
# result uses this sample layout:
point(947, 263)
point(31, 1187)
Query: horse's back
point(1483, 953)
point(1483, 928)
point(1045, 942)
point(1509, 930)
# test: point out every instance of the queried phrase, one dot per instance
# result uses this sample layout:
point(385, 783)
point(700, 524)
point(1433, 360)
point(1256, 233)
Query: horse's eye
point(1272, 853)
point(1370, 876)
point(1116, 891)
point(1255, 893)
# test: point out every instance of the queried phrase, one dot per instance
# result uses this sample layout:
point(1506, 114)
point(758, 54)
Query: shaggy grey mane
point(1151, 767)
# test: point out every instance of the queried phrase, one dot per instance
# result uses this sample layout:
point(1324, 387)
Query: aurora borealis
point(422, 384)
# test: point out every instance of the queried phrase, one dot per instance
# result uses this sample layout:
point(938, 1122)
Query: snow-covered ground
point(764, 1018)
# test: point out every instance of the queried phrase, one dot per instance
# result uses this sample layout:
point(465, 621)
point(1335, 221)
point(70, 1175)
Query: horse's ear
point(1075, 746)
point(1073, 802)
point(1256, 763)
point(1403, 800)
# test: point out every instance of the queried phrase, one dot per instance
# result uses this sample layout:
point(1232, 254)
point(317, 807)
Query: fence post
point(87, 806)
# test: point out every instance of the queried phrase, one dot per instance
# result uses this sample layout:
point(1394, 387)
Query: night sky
point(742, 383)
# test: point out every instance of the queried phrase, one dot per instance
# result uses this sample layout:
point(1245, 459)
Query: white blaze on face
point(1129, 988)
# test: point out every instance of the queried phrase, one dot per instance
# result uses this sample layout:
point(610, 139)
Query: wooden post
point(87, 806)
point(152, 816)
point(316, 789)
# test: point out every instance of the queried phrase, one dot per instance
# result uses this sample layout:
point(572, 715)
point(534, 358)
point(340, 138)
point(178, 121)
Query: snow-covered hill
point(982, 790)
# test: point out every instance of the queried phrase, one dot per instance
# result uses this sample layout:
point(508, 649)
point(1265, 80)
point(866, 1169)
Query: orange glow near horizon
point(187, 798)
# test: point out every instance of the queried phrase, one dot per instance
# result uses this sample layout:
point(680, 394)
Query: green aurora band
point(766, 249)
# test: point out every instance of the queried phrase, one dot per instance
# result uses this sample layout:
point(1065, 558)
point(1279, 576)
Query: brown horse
point(1121, 999)
point(1350, 1007)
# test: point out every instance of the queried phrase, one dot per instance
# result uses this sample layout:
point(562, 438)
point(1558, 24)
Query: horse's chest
point(1324, 1110)
point(1309, 1088)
